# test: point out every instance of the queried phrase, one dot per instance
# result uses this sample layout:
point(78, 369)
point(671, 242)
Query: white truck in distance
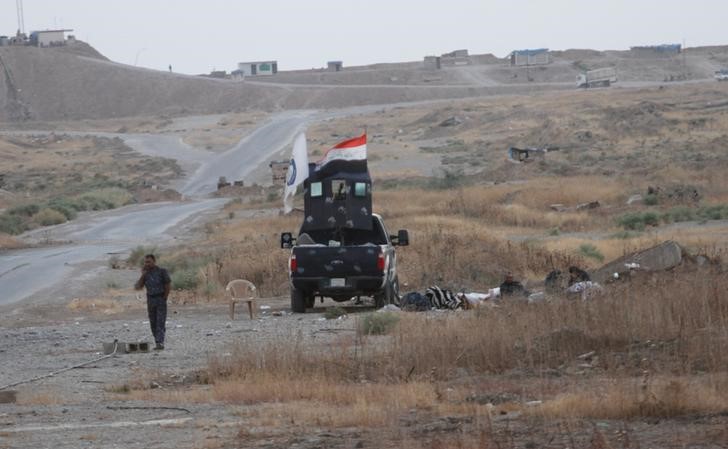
point(597, 78)
point(722, 75)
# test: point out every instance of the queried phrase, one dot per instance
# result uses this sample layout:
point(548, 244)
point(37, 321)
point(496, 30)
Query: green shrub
point(64, 206)
point(713, 212)
point(211, 289)
point(114, 262)
point(679, 214)
point(639, 220)
point(136, 257)
point(11, 224)
point(624, 235)
point(591, 251)
point(26, 210)
point(333, 313)
point(186, 279)
point(103, 199)
point(377, 323)
point(49, 217)
point(650, 200)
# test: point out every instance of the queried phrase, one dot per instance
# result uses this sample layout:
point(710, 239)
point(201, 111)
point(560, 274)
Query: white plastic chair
point(241, 290)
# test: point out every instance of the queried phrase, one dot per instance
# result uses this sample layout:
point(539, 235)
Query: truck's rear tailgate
point(336, 262)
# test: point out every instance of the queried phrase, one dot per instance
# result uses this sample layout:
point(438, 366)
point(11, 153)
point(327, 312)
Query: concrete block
point(109, 348)
point(126, 348)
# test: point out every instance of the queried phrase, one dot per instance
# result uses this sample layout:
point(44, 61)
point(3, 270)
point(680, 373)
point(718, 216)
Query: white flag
point(297, 171)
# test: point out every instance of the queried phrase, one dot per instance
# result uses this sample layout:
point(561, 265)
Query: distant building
point(538, 56)
point(456, 54)
point(658, 50)
point(432, 63)
point(222, 74)
point(457, 57)
point(4, 41)
point(279, 171)
point(48, 38)
point(257, 68)
point(334, 66)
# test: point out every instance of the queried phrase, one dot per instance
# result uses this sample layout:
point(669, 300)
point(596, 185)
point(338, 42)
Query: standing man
point(157, 282)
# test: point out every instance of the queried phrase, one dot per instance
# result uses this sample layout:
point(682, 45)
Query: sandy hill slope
point(77, 82)
point(45, 84)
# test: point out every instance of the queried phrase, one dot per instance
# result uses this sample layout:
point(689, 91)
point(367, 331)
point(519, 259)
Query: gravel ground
point(74, 409)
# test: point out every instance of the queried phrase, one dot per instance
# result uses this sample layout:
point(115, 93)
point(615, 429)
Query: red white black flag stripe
point(349, 156)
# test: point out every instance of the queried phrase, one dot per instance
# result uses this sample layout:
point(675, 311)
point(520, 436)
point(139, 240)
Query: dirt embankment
point(77, 82)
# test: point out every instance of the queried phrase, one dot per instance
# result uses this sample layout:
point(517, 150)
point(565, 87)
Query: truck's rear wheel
point(390, 295)
point(310, 301)
point(395, 292)
point(298, 301)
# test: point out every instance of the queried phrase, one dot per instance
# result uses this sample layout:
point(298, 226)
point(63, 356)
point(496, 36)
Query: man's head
point(149, 261)
point(509, 277)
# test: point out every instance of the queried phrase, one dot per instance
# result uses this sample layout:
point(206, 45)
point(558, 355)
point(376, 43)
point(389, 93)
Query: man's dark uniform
point(154, 281)
point(512, 288)
point(577, 275)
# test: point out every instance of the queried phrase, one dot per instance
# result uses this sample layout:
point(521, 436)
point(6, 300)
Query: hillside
point(77, 82)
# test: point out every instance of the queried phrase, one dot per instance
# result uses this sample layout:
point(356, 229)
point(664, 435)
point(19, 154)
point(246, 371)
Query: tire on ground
point(298, 301)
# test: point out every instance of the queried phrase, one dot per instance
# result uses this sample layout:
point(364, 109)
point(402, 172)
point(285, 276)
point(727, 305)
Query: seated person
point(509, 287)
point(577, 275)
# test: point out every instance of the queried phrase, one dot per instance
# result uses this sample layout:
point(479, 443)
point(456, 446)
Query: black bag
point(415, 302)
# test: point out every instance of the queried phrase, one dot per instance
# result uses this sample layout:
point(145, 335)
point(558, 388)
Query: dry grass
point(689, 312)
point(8, 242)
point(659, 353)
point(523, 205)
point(663, 397)
point(40, 397)
point(461, 238)
point(117, 302)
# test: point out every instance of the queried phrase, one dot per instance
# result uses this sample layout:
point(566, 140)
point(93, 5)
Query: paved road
point(251, 152)
point(26, 272)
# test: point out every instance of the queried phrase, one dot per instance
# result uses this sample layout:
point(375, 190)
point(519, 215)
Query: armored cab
point(338, 196)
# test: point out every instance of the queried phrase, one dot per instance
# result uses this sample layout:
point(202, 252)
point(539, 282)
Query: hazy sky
point(197, 36)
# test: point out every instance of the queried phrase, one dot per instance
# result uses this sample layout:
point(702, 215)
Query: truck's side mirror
point(401, 239)
point(287, 240)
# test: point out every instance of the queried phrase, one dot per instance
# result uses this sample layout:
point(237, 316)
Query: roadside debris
point(521, 155)
point(415, 302)
point(634, 199)
point(675, 194)
point(579, 207)
point(390, 308)
point(452, 121)
point(585, 290)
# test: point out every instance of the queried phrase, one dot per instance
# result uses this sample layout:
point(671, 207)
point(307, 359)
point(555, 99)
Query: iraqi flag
point(348, 156)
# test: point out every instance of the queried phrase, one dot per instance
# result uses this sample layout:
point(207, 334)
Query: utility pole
point(21, 19)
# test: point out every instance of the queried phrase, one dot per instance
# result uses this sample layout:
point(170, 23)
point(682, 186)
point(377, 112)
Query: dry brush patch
point(8, 242)
point(624, 399)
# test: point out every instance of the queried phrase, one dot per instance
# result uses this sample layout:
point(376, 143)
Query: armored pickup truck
point(343, 263)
